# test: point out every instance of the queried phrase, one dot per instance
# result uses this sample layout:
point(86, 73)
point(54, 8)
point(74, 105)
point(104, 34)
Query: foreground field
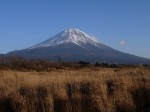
point(83, 90)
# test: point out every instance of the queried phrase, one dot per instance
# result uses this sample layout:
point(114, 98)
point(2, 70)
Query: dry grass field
point(81, 90)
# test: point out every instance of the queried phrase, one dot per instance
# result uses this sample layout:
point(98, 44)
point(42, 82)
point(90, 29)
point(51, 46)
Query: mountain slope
point(75, 45)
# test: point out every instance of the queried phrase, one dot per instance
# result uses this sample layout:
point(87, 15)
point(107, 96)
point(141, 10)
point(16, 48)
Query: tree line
point(20, 63)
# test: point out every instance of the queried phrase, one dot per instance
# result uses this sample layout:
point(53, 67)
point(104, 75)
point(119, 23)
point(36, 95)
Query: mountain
point(75, 45)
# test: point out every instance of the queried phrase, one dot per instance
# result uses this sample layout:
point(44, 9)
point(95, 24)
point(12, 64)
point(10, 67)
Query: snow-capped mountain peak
point(74, 36)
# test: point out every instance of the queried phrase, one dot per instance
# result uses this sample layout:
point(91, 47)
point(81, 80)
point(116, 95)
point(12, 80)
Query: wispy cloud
point(122, 42)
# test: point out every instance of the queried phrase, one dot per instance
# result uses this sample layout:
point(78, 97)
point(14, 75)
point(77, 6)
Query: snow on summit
point(74, 36)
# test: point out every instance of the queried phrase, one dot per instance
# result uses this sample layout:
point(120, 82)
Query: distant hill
point(2, 55)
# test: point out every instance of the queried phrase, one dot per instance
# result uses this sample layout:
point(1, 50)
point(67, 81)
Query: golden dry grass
point(83, 90)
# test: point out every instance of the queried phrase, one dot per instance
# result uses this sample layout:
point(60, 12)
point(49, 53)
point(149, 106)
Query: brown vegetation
point(82, 90)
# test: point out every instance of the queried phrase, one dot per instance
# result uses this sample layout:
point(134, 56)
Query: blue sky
point(121, 24)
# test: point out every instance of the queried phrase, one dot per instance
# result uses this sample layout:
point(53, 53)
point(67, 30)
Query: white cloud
point(122, 43)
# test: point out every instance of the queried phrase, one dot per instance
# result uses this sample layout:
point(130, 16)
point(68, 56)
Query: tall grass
point(85, 90)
